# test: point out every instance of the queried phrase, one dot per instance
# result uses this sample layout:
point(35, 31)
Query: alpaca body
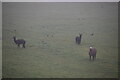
point(92, 53)
point(19, 42)
point(78, 39)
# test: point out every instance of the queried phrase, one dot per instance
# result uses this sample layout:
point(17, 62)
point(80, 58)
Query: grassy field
point(50, 30)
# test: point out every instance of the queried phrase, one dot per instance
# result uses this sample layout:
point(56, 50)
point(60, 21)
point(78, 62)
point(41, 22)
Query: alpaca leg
point(78, 42)
point(95, 57)
point(23, 45)
point(18, 45)
point(89, 57)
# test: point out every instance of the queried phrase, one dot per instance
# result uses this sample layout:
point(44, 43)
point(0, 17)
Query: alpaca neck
point(80, 35)
point(14, 39)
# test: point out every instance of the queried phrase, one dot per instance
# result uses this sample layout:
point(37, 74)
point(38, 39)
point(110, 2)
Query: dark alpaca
point(78, 39)
point(19, 42)
point(92, 53)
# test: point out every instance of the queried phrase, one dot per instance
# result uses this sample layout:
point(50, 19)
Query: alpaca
point(92, 53)
point(19, 41)
point(78, 39)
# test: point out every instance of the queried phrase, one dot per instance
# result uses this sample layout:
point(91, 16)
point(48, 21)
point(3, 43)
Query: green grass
point(59, 56)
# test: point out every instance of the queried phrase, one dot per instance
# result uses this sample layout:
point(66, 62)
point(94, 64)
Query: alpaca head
point(91, 48)
point(80, 34)
point(14, 37)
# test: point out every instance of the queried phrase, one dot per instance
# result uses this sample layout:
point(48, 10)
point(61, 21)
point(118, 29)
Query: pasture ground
point(50, 30)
